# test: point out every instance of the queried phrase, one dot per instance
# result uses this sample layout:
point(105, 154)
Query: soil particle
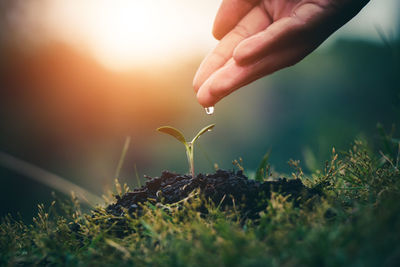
point(221, 185)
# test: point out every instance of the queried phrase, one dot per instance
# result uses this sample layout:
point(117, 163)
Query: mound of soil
point(171, 188)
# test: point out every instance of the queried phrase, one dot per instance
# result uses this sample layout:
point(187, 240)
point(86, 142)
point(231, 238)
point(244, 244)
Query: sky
point(122, 34)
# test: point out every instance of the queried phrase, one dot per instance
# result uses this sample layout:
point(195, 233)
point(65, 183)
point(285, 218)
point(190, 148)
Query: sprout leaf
point(204, 130)
point(189, 146)
point(173, 132)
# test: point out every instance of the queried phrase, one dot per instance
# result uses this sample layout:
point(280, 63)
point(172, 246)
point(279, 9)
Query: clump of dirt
point(221, 187)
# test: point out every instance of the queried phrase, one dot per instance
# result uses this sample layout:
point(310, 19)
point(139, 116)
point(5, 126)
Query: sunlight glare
point(125, 33)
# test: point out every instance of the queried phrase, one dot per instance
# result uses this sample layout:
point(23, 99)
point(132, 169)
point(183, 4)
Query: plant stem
point(189, 153)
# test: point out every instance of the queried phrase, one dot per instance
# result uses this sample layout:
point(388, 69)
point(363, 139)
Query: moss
point(355, 221)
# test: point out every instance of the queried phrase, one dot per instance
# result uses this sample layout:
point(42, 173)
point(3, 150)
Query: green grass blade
point(49, 179)
point(385, 139)
point(139, 184)
point(262, 166)
point(122, 158)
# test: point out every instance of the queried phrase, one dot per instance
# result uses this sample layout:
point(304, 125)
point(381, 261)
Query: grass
point(355, 222)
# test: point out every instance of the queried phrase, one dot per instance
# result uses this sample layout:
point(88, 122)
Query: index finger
point(255, 21)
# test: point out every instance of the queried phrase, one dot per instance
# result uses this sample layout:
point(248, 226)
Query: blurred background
point(79, 76)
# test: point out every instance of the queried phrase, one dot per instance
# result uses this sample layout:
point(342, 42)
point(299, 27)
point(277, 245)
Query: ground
point(347, 214)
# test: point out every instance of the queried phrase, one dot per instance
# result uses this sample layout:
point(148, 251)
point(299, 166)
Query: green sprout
point(188, 145)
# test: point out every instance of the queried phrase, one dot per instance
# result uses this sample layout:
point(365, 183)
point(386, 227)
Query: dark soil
point(221, 187)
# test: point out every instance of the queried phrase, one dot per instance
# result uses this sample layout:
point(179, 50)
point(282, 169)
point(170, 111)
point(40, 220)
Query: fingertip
point(204, 96)
point(205, 99)
point(229, 14)
point(208, 66)
point(217, 33)
point(222, 25)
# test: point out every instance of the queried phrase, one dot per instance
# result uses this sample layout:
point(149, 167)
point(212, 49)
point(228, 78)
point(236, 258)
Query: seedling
point(188, 145)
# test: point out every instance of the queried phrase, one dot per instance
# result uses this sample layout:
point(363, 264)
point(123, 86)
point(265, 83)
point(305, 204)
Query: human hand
point(258, 37)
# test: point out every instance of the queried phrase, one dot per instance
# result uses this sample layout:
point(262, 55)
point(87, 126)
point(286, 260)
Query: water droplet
point(209, 110)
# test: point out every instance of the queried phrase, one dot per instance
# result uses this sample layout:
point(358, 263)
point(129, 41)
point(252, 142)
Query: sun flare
point(123, 32)
point(126, 33)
